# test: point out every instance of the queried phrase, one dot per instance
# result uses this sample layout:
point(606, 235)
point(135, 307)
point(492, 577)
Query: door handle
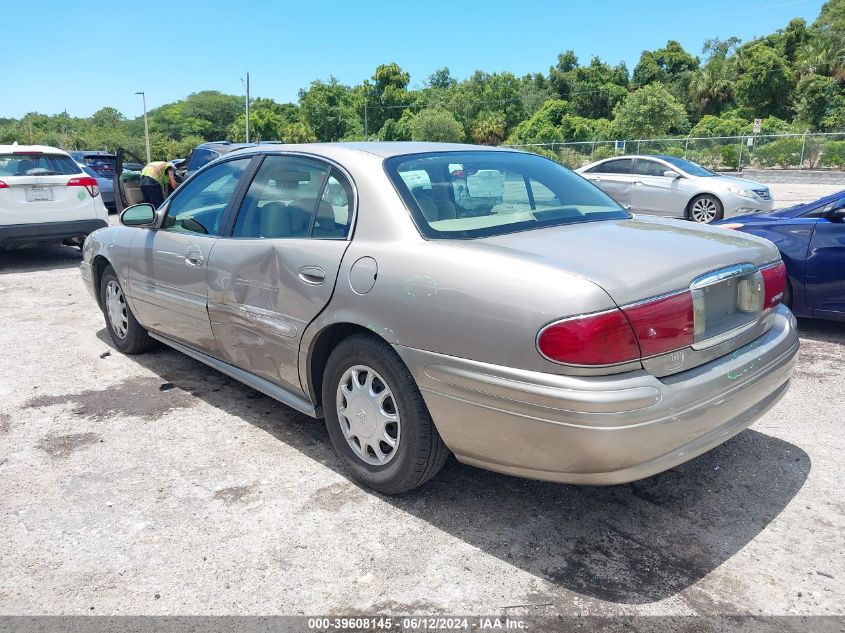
point(638, 182)
point(312, 275)
point(194, 259)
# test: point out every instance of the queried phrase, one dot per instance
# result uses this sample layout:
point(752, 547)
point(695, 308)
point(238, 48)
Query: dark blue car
point(811, 239)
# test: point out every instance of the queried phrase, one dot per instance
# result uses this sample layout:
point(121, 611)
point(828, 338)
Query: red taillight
point(619, 336)
point(663, 325)
point(3, 185)
point(774, 282)
point(88, 182)
point(605, 338)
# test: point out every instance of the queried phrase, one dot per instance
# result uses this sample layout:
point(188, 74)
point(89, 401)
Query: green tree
point(816, 98)
point(649, 112)
point(592, 91)
point(712, 85)
point(436, 125)
point(107, 117)
point(489, 128)
point(672, 66)
point(387, 96)
point(329, 109)
point(763, 81)
point(441, 79)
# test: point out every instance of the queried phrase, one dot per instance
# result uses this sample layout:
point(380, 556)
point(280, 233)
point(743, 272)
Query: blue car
point(811, 240)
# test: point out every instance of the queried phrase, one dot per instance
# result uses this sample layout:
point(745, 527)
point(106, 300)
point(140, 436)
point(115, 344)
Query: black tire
point(136, 339)
point(420, 452)
point(709, 200)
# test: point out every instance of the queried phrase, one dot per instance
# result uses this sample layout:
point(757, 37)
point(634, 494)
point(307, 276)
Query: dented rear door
point(261, 296)
point(277, 268)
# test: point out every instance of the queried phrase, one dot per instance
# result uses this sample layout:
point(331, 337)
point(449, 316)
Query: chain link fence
point(720, 153)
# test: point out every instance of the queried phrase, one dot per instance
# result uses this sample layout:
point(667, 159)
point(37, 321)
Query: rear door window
point(296, 197)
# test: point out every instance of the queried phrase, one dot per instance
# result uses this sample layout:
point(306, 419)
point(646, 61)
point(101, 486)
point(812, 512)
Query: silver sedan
point(428, 299)
point(675, 187)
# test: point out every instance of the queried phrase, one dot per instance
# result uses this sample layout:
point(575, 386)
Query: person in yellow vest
point(156, 177)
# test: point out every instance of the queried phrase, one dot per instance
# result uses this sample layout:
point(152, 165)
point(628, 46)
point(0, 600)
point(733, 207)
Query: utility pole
point(247, 107)
point(146, 126)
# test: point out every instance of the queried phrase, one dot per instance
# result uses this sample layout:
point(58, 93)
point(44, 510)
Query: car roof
point(43, 149)
point(222, 144)
point(383, 149)
point(660, 156)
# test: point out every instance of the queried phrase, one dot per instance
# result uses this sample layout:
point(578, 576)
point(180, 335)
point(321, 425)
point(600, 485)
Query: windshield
point(37, 164)
point(688, 166)
point(482, 193)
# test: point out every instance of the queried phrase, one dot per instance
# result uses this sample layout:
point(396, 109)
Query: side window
point(283, 197)
point(198, 206)
point(827, 208)
point(621, 166)
point(649, 168)
point(334, 215)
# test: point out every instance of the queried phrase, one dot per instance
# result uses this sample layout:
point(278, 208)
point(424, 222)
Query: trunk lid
point(633, 259)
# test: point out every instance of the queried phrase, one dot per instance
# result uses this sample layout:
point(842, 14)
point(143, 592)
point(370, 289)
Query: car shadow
point(630, 544)
point(27, 260)
point(822, 331)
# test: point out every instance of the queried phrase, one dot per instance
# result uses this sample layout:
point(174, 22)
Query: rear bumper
point(601, 430)
point(47, 232)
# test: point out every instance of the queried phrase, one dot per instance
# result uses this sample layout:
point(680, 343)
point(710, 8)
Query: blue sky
point(78, 57)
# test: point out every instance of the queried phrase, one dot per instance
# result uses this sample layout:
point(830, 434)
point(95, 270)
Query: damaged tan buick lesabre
point(428, 299)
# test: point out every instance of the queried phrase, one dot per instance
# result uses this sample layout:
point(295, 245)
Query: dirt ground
point(154, 485)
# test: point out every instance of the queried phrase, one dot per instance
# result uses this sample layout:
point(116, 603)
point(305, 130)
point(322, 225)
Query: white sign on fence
point(620, 145)
point(758, 125)
point(750, 141)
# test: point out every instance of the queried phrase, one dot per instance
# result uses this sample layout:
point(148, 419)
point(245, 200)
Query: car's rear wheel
point(705, 208)
point(377, 419)
point(126, 333)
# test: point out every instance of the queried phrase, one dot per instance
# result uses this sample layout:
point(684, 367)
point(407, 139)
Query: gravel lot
point(153, 485)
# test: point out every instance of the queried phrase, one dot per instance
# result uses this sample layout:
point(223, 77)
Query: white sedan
point(46, 198)
point(676, 187)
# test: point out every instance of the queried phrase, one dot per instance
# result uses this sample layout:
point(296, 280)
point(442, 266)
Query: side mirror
point(671, 173)
point(138, 215)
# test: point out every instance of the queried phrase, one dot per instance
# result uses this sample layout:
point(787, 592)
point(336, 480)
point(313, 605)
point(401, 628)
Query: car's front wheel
point(705, 209)
point(126, 333)
point(377, 419)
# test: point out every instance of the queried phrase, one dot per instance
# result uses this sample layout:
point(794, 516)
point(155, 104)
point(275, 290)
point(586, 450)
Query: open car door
point(125, 193)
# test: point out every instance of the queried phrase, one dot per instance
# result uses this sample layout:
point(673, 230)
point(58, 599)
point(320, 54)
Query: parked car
point(101, 162)
point(811, 240)
point(106, 187)
point(546, 333)
point(204, 153)
point(676, 187)
point(46, 198)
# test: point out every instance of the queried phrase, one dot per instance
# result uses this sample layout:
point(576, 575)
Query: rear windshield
point(37, 164)
point(103, 165)
point(482, 193)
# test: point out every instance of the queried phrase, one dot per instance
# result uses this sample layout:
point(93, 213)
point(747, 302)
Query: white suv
point(46, 198)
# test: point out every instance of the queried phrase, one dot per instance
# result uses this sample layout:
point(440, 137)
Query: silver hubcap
point(704, 210)
point(116, 308)
point(368, 416)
